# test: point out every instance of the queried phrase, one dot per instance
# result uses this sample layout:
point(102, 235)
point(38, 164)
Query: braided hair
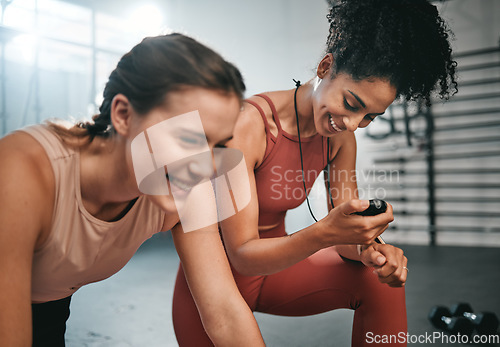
point(153, 68)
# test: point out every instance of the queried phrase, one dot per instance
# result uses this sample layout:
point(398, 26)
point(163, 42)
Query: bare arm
point(225, 315)
point(343, 184)
point(25, 195)
point(251, 255)
point(388, 260)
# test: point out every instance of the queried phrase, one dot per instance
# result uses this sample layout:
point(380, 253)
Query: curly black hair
point(403, 41)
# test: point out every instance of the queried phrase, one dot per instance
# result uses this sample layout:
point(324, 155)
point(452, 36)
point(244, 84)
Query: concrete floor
point(133, 308)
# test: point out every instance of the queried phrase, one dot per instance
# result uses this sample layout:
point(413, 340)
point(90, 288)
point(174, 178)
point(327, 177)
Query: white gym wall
point(48, 59)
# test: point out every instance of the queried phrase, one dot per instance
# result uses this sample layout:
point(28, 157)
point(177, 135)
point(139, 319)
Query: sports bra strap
point(273, 110)
point(262, 114)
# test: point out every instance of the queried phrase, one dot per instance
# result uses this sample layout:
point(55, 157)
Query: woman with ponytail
point(76, 202)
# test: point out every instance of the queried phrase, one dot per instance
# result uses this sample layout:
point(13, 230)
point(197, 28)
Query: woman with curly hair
point(73, 211)
point(377, 50)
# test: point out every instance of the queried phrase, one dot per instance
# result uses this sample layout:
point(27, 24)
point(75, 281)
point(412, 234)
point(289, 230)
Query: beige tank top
point(80, 248)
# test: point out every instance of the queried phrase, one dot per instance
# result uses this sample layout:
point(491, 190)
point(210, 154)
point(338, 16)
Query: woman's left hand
point(389, 262)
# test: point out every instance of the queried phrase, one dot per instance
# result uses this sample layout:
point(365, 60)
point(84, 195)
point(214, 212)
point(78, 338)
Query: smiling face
point(344, 104)
point(183, 139)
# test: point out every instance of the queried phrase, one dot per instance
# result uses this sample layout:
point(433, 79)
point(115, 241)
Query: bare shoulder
point(344, 142)
point(250, 131)
point(26, 176)
point(20, 150)
point(250, 134)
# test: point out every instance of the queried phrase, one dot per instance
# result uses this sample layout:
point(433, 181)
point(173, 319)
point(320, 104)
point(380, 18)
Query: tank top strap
point(262, 114)
point(271, 140)
point(51, 143)
point(273, 110)
point(56, 151)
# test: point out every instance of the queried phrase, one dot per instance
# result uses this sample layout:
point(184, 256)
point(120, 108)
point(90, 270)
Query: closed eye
point(372, 116)
point(223, 143)
point(192, 140)
point(349, 107)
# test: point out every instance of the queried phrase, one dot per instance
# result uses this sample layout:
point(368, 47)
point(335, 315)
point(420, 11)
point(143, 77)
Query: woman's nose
point(202, 167)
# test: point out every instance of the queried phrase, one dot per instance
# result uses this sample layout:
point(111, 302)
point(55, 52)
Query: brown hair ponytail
point(152, 69)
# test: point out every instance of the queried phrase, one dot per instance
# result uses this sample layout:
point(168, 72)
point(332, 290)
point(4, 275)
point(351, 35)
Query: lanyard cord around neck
point(327, 171)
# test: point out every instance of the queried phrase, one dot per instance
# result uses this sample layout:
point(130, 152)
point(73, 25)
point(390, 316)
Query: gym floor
point(133, 308)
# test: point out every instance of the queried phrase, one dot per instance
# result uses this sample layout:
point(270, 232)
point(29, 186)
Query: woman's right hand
point(341, 226)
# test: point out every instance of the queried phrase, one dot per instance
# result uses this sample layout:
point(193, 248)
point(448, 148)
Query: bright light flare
point(147, 19)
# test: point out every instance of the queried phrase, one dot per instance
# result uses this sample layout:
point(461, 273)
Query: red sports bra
point(279, 176)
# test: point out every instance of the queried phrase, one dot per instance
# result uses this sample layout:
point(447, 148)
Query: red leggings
point(320, 283)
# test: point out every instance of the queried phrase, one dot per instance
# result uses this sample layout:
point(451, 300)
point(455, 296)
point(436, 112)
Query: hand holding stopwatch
point(376, 207)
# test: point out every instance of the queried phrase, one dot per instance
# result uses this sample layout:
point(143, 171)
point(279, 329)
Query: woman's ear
point(325, 65)
point(121, 114)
